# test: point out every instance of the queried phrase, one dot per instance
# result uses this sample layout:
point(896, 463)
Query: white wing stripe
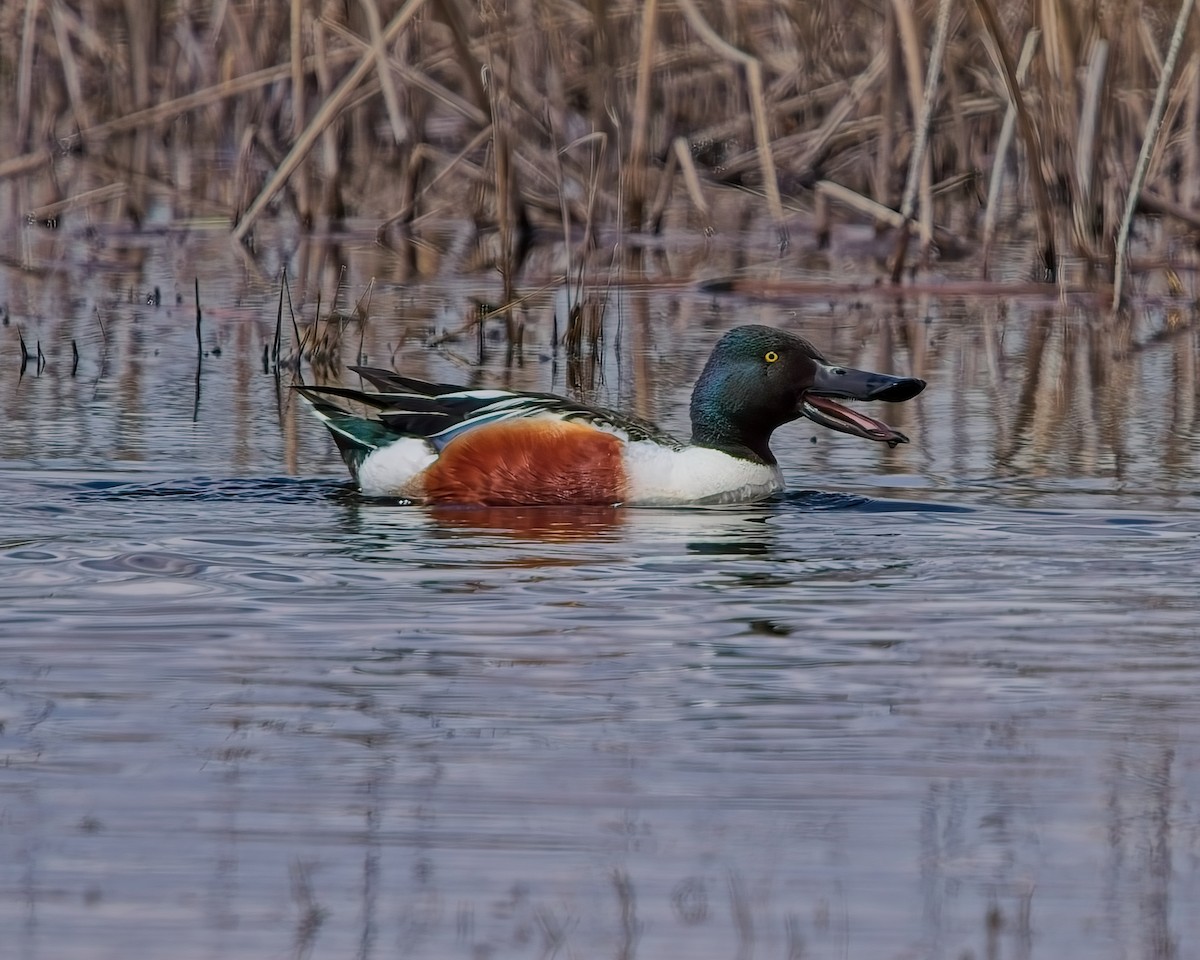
point(478, 421)
point(477, 395)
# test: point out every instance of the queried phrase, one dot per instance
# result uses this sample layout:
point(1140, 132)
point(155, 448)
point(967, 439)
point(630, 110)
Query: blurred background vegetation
point(580, 120)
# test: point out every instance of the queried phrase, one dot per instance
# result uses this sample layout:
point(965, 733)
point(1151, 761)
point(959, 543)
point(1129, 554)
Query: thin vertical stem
point(1153, 126)
point(25, 74)
point(1002, 144)
point(636, 179)
point(1029, 134)
point(917, 162)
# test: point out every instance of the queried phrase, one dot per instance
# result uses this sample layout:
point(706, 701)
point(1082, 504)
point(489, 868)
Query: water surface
point(934, 702)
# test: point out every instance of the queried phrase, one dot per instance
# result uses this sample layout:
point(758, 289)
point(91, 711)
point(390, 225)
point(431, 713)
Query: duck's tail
point(356, 437)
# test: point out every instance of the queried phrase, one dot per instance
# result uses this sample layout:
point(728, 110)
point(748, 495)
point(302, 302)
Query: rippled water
point(936, 702)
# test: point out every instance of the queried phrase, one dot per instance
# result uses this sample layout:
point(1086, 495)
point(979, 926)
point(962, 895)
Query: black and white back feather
point(439, 412)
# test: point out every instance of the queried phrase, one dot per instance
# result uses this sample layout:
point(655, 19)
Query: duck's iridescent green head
point(759, 378)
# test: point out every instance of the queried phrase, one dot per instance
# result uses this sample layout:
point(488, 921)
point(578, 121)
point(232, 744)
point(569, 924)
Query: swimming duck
point(441, 443)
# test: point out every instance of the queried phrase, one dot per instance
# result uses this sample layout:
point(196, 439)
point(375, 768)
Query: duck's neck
point(712, 428)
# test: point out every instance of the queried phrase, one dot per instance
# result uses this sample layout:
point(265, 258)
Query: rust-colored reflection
point(550, 524)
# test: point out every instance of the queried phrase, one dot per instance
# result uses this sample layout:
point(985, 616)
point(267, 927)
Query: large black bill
point(864, 385)
point(830, 382)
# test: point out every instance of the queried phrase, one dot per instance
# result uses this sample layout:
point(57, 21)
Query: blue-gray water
point(935, 702)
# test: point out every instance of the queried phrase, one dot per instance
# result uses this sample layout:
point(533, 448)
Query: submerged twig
point(199, 355)
point(24, 351)
point(278, 341)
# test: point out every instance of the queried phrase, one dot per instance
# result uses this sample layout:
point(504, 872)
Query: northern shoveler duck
point(440, 443)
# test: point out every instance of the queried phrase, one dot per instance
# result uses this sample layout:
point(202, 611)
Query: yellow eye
point(771, 356)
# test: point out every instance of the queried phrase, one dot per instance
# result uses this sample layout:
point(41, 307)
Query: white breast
point(660, 476)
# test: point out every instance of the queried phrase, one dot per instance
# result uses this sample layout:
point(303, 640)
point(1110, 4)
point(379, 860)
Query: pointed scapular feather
point(389, 381)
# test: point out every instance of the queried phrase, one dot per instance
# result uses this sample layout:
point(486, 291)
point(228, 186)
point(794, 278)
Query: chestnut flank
point(529, 462)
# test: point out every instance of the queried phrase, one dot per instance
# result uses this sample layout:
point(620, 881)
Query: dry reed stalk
point(141, 40)
point(909, 43)
point(888, 109)
point(821, 219)
point(601, 77)
point(503, 185)
point(330, 207)
point(918, 167)
point(1153, 126)
point(827, 190)
point(817, 142)
point(70, 67)
point(932, 82)
point(1055, 88)
point(25, 74)
point(564, 210)
point(856, 201)
point(484, 312)
point(635, 178)
point(762, 137)
point(992, 210)
point(1190, 188)
point(1149, 46)
point(1057, 46)
point(242, 190)
point(391, 98)
point(811, 102)
point(666, 180)
point(449, 13)
point(1175, 103)
point(296, 46)
point(910, 49)
point(597, 157)
point(113, 191)
point(89, 38)
point(422, 152)
point(303, 185)
point(201, 98)
point(323, 118)
point(692, 180)
point(812, 84)
point(585, 324)
point(422, 81)
point(956, 93)
point(1087, 146)
point(26, 163)
point(1030, 136)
